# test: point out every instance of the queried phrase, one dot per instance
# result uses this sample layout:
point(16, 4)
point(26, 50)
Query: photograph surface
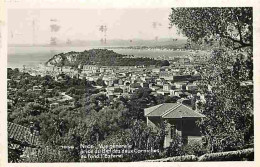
point(130, 85)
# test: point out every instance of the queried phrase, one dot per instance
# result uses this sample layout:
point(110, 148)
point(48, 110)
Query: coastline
point(35, 55)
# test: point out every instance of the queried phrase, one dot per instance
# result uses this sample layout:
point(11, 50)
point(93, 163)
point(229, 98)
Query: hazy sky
point(83, 24)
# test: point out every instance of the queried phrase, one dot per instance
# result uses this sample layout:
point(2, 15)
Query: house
point(166, 76)
point(180, 78)
point(191, 87)
point(92, 78)
point(180, 85)
point(196, 77)
point(120, 82)
point(166, 87)
point(54, 105)
point(102, 69)
point(110, 91)
point(109, 81)
point(155, 88)
point(156, 70)
point(144, 85)
point(90, 68)
point(37, 88)
point(162, 92)
point(183, 60)
point(179, 119)
point(27, 141)
point(172, 92)
point(134, 87)
point(21, 138)
point(159, 82)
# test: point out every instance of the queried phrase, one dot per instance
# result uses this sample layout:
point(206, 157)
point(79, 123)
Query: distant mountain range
point(117, 43)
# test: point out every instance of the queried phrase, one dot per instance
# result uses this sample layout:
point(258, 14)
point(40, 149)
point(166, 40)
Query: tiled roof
point(172, 110)
point(150, 109)
point(22, 134)
point(162, 109)
point(183, 111)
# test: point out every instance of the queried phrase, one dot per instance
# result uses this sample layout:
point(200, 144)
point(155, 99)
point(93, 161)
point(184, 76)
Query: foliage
point(165, 63)
point(94, 118)
point(49, 155)
point(14, 155)
point(231, 27)
point(102, 57)
point(100, 82)
point(176, 147)
point(185, 158)
point(239, 155)
point(229, 105)
point(194, 147)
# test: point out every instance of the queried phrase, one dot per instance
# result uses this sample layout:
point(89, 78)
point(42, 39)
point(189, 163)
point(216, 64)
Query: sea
point(32, 56)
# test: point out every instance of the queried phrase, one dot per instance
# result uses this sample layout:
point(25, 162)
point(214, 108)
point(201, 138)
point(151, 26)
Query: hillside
point(102, 57)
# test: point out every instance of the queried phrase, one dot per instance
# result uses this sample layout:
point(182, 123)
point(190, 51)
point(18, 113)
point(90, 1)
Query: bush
point(240, 155)
point(186, 158)
point(176, 147)
point(194, 148)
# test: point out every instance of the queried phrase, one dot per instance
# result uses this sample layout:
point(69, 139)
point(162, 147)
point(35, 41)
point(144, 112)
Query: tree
point(139, 100)
point(229, 105)
point(232, 27)
point(100, 82)
point(118, 90)
point(165, 63)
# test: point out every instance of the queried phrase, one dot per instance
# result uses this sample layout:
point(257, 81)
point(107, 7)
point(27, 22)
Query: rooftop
point(21, 134)
point(172, 110)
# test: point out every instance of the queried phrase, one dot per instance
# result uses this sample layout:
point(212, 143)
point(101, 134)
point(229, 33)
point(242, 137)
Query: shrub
point(194, 147)
point(186, 158)
point(240, 155)
point(176, 147)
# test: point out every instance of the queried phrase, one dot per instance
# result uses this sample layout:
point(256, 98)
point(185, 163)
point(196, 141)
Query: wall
point(154, 122)
point(185, 127)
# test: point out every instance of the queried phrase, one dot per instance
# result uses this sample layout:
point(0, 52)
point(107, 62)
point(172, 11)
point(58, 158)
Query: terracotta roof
point(150, 109)
point(18, 133)
point(183, 111)
point(162, 109)
point(172, 110)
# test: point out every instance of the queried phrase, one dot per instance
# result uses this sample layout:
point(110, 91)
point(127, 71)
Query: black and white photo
point(130, 84)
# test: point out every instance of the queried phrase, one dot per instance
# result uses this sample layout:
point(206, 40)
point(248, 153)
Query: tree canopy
point(229, 105)
point(102, 57)
point(232, 27)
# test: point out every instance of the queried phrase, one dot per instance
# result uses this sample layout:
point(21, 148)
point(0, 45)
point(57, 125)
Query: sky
point(83, 24)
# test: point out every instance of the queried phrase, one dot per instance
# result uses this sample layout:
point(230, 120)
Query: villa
point(179, 119)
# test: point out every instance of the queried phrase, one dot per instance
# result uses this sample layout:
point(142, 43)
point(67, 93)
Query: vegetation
point(246, 154)
point(102, 57)
point(91, 118)
point(231, 27)
point(239, 155)
point(229, 105)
